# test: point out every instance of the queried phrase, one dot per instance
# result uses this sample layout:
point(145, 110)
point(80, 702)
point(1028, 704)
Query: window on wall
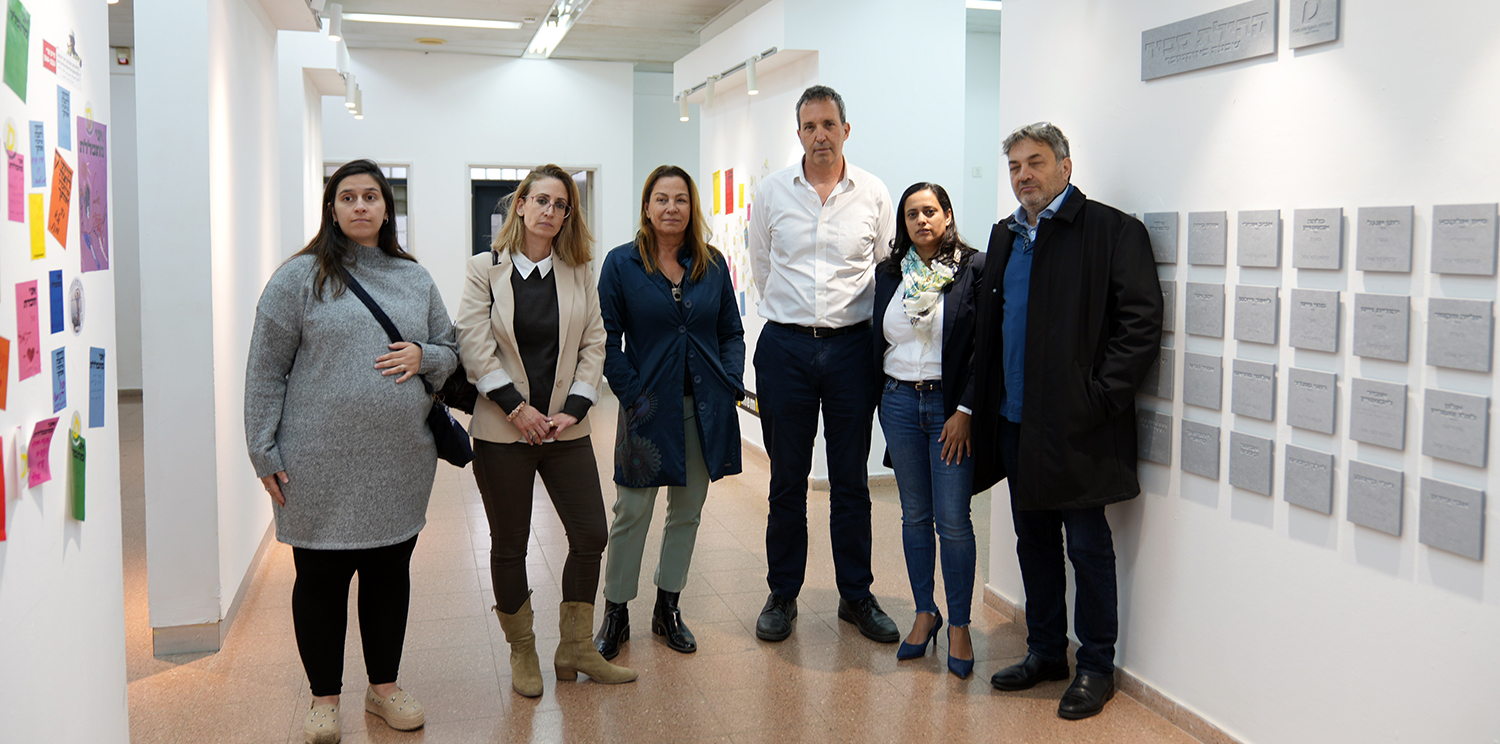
point(396, 175)
point(491, 188)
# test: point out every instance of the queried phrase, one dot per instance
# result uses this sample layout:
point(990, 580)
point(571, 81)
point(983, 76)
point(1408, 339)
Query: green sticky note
point(76, 486)
point(17, 43)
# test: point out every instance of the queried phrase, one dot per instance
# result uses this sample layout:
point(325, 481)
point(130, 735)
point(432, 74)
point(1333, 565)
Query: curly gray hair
point(1042, 131)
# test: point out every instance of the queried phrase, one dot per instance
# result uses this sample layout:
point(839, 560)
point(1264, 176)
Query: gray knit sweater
point(354, 444)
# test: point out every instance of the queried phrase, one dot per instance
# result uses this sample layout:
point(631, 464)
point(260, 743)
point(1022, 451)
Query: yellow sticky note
point(742, 196)
point(38, 228)
point(718, 190)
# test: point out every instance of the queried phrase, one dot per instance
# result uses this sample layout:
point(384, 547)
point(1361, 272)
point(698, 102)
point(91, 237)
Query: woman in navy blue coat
point(924, 317)
point(675, 356)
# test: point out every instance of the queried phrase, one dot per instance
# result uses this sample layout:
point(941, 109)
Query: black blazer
point(1093, 331)
point(958, 328)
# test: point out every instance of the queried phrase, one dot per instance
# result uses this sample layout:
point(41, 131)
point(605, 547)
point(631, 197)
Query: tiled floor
point(827, 683)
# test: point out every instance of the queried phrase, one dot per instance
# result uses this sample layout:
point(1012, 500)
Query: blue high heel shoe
point(960, 668)
point(918, 650)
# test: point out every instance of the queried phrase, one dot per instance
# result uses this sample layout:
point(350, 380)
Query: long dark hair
point(952, 250)
point(331, 247)
point(696, 239)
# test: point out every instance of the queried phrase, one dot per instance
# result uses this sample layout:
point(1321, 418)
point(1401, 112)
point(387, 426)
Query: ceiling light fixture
point(359, 104)
point(335, 22)
point(550, 33)
point(350, 90)
point(431, 40)
point(982, 4)
point(708, 92)
point(750, 84)
point(682, 109)
point(431, 21)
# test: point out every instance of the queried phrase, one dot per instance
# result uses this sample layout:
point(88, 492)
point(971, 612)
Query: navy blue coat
point(650, 338)
point(958, 328)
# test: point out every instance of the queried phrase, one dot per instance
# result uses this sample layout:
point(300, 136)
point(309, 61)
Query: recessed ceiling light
point(982, 4)
point(431, 40)
point(431, 21)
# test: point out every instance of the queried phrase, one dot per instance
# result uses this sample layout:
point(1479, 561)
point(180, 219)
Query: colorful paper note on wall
point(64, 118)
point(38, 155)
point(54, 287)
point(96, 387)
point(28, 334)
point(17, 43)
point(93, 190)
point(75, 483)
point(742, 196)
point(59, 379)
point(729, 191)
point(4, 502)
point(15, 177)
point(38, 227)
point(718, 190)
point(62, 195)
point(38, 453)
point(49, 57)
point(4, 371)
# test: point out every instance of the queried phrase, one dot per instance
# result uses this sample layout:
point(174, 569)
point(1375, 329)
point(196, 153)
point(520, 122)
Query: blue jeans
point(932, 491)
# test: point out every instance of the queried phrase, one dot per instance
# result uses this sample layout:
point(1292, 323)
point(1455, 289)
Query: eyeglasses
point(543, 202)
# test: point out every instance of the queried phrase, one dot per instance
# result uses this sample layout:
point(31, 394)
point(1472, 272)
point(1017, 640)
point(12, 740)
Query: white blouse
point(904, 358)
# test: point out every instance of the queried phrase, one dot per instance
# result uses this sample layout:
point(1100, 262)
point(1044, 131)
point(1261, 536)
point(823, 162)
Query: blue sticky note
point(742, 304)
point(59, 380)
point(64, 114)
point(54, 281)
point(38, 156)
point(96, 387)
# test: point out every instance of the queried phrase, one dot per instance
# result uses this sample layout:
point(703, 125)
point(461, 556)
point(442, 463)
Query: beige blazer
point(487, 342)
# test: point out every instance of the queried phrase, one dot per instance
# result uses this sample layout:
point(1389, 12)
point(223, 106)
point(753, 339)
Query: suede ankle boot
point(525, 668)
point(576, 652)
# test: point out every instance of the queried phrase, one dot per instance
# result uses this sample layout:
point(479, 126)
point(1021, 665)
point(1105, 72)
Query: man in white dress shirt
point(817, 229)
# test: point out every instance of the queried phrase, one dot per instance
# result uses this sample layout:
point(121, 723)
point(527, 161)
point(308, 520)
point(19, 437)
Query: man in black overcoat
point(1069, 323)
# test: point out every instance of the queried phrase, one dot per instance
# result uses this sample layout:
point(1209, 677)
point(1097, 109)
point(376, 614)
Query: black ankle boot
point(614, 631)
point(667, 621)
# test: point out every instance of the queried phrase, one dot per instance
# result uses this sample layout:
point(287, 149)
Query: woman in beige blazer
point(532, 340)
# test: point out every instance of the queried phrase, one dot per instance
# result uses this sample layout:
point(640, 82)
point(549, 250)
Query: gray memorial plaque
point(1456, 427)
point(1315, 320)
point(1463, 239)
point(1208, 238)
point(1460, 333)
point(1256, 313)
point(1377, 413)
point(1200, 449)
point(1318, 239)
point(1205, 309)
point(1375, 496)
point(1250, 464)
point(1252, 390)
point(1308, 478)
point(1168, 305)
point(1313, 22)
point(1382, 326)
point(1310, 399)
point(1238, 32)
point(1451, 518)
point(1384, 239)
point(1259, 242)
point(1203, 380)
point(1162, 227)
point(1159, 381)
point(1154, 436)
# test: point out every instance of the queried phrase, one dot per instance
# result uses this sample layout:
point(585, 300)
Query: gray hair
point(1043, 131)
point(819, 93)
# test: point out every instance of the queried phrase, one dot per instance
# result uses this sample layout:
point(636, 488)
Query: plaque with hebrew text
point(1239, 32)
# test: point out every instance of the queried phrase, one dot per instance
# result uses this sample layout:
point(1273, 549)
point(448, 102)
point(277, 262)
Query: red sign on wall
point(49, 56)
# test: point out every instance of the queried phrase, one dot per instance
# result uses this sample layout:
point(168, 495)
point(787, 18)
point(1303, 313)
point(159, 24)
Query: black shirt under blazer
point(958, 328)
point(1093, 331)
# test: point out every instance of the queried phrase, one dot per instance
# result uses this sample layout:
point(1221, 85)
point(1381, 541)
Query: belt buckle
point(820, 332)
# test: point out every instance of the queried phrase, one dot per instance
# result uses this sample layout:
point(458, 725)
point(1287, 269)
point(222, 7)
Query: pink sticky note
point(16, 177)
point(39, 452)
point(28, 338)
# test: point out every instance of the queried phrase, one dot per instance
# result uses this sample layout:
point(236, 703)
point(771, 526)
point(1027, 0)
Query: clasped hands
point(536, 428)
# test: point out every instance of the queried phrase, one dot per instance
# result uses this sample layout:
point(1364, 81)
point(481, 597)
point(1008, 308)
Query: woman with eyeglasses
point(532, 340)
point(924, 312)
point(676, 358)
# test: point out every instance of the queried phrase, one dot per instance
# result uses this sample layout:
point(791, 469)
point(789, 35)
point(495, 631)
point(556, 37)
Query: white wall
point(125, 214)
point(442, 113)
point(983, 203)
point(1275, 623)
point(661, 138)
point(62, 617)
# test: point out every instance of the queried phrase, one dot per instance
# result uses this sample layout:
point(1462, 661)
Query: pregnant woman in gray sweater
point(337, 433)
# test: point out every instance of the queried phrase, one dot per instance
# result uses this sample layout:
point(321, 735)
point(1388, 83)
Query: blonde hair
point(573, 243)
point(696, 238)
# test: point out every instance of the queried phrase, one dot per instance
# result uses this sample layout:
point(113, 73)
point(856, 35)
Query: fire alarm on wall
point(122, 55)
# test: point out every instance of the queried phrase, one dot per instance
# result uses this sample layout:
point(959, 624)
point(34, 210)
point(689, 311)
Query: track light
point(682, 109)
point(335, 22)
point(754, 88)
point(359, 104)
point(708, 91)
point(350, 89)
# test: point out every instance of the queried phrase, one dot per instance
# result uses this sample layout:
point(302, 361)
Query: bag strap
point(380, 316)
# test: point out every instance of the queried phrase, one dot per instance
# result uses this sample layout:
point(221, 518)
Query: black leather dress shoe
point(1030, 672)
point(872, 621)
point(666, 621)
point(1086, 696)
point(614, 631)
point(775, 621)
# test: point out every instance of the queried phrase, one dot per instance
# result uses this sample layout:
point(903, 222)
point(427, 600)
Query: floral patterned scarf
point(921, 290)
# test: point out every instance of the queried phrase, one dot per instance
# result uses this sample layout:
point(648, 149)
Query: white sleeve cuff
point(493, 381)
point(965, 409)
point(586, 390)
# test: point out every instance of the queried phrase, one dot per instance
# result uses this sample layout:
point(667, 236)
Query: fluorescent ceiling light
point(560, 19)
point(982, 4)
point(431, 21)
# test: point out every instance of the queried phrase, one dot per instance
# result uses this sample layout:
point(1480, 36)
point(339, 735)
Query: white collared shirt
point(814, 261)
point(904, 359)
point(525, 266)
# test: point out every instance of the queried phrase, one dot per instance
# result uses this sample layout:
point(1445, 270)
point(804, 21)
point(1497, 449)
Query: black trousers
point(505, 474)
point(320, 611)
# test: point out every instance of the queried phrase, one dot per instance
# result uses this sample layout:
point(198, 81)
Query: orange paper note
point(62, 197)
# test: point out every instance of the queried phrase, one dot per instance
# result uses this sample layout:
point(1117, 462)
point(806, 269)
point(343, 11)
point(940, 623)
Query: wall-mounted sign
point(1313, 22)
point(1238, 32)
